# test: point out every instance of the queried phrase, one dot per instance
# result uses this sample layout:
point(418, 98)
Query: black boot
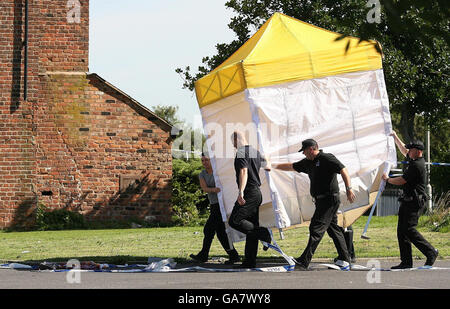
point(401, 266)
point(432, 258)
point(233, 257)
point(200, 257)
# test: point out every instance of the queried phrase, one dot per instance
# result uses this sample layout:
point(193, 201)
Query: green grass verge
point(136, 245)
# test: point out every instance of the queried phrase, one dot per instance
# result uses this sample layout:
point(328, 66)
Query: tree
point(168, 113)
point(414, 35)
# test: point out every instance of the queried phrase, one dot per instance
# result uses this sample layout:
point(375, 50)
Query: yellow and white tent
point(292, 81)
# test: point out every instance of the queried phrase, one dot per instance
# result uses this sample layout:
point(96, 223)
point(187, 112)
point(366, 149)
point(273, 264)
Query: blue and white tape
point(429, 163)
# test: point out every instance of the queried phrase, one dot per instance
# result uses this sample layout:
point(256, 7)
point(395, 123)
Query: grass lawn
point(136, 245)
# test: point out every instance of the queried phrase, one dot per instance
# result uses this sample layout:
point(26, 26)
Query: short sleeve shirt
point(415, 176)
point(210, 182)
point(250, 158)
point(322, 172)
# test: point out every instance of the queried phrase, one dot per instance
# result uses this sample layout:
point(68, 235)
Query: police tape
point(428, 163)
point(365, 268)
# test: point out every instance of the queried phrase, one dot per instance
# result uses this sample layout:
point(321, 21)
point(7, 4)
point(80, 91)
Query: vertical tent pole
point(429, 189)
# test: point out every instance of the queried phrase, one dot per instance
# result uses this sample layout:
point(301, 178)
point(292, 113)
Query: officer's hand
point(267, 165)
point(240, 199)
point(351, 196)
point(385, 177)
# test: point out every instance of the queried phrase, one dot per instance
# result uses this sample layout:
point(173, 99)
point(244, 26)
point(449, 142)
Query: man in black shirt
point(411, 203)
point(322, 169)
point(245, 214)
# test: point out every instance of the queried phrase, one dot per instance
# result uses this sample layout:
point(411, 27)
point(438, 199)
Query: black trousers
point(348, 235)
point(214, 226)
point(408, 216)
point(245, 219)
point(325, 220)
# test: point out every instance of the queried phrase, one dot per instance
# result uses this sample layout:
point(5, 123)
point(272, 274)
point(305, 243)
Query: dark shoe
point(199, 258)
point(231, 261)
point(300, 265)
point(431, 259)
point(245, 265)
point(233, 257)
point(401, 266)
point(267, 236)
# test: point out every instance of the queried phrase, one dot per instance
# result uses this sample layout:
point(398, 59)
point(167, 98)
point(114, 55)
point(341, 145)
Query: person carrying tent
point(245, 214)
point(322, 169)
point(411, 203)
point(214, 225)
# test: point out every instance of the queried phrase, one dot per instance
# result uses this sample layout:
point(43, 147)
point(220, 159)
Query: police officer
point(214, 225)
point(411, 203)
point(245, 214)
point(322, 169)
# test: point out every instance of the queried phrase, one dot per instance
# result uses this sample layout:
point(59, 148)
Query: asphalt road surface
point(319, 278)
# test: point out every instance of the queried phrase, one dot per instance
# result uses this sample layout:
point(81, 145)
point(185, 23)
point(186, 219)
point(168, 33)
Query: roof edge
point(138, 107)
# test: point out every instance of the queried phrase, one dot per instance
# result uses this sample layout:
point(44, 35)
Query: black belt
point(405, 198)
point(325, 195)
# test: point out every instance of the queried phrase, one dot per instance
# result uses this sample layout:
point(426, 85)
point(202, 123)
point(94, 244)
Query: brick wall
point(64, 39)
point(16, 135)
point(78, 142)
point(90, 140)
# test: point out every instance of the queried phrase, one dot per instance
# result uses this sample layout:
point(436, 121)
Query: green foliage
point(414, 35)
point(168, 113)
point(188, 200)
point(438, 219)
point(59, 219)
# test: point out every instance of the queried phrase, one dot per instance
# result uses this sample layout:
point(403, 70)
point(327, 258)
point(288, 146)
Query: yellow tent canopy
point(286, 49)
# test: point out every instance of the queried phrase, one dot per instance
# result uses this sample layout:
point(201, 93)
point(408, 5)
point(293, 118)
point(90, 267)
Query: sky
point(136, 45)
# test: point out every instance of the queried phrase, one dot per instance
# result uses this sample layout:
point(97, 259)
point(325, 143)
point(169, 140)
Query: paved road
point(319, 278)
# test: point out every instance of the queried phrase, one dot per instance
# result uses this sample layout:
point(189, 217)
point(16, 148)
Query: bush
point(189, 201)
point(59, 219)
point(438, 219)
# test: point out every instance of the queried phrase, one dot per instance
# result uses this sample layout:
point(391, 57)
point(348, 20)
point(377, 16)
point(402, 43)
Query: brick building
point(68, 138)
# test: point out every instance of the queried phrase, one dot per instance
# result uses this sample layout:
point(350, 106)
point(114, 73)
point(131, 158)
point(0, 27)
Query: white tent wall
point(348, 115)
point(220, 120)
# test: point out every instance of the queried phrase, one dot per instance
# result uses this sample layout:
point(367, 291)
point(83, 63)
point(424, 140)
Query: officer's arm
point(205, 187)
point(398, 181)
point(284, 166)
point(243, 176)
point(348, 185)
point(399, 143)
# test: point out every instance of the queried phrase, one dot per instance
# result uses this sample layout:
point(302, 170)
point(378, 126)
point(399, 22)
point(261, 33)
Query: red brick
point(41, 145)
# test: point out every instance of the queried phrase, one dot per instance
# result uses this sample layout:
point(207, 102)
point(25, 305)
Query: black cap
point(415, 144)
point(307, 143)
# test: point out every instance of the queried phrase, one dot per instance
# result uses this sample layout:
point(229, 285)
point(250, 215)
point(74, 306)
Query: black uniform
point(245, 218)
point(411, 204)
point(322, 172)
